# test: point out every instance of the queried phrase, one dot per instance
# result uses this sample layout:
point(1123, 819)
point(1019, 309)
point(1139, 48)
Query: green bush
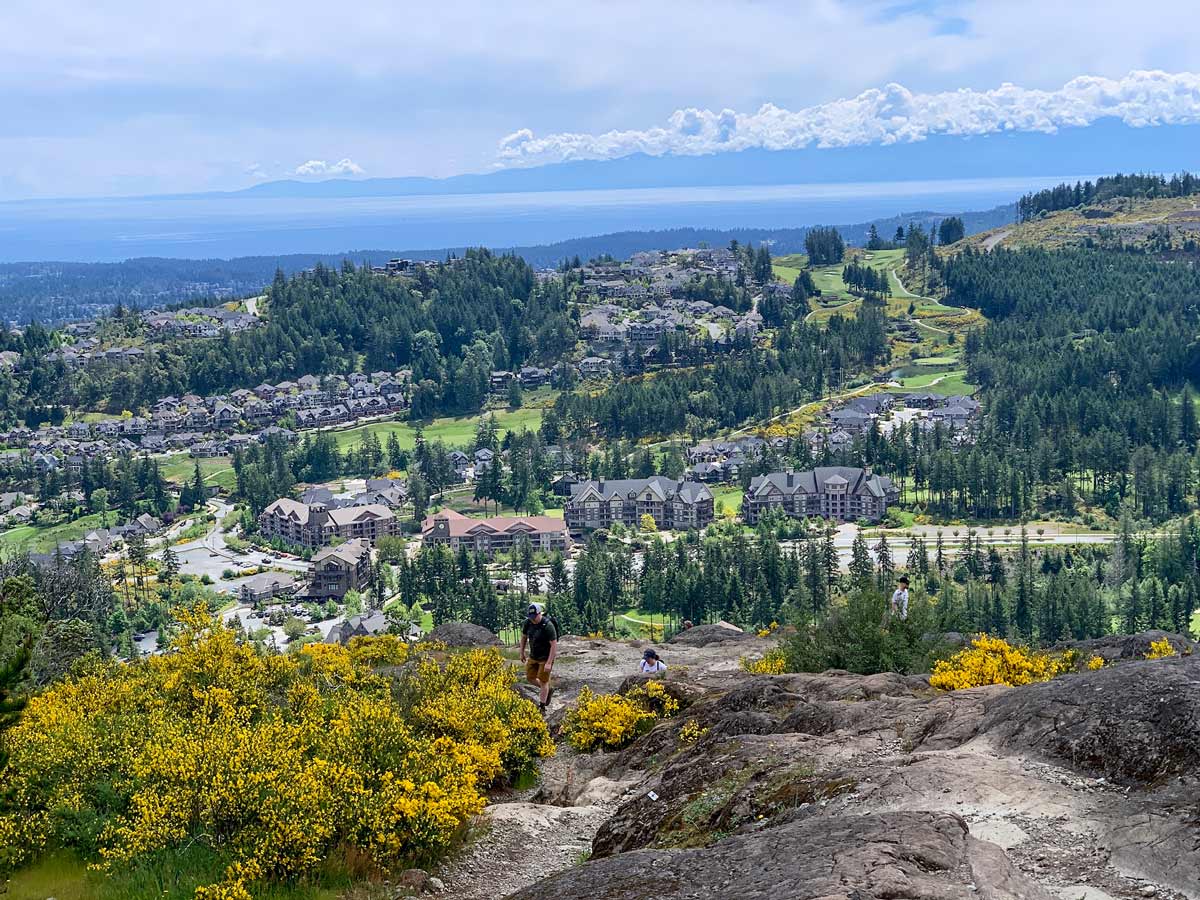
point(860, 636)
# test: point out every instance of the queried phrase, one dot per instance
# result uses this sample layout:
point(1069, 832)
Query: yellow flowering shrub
point(690, 732)
point(1095, 662)
point(651, 695)
point(613, 720)
point(773, 662)
point(1160, 649)
point(991, 660)
point(603, 720)
point(274, 762)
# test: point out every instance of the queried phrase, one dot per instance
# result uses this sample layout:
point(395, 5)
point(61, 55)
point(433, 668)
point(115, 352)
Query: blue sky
point(134, 96)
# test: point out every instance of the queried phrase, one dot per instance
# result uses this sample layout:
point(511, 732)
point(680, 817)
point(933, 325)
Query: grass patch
point(44, 538)
point(729, 495)
point(457, 431)
point(215, 470)
point(948, 383)
point(788, 268)
point(65, 876)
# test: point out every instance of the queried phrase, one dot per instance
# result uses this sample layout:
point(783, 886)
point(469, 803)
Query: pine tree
point(1132, 612)
point(1023, 613)
point(862, 568)
point(887, 567)
point(168, 569)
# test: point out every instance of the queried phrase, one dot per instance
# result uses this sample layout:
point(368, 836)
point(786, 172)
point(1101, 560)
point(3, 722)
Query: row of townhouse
point(858, 415)
point(677, 505)
point(498, 534)
point(197, 322)
point(528, 376)
point(723, 460)
point(202, 424)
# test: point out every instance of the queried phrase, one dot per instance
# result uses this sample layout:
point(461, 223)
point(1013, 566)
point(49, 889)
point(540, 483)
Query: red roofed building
point(498, 534)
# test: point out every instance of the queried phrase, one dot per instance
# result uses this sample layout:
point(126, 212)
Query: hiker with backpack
point(541, 634)
point(651, 664)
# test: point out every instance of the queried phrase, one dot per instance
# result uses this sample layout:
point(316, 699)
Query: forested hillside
point(1082, 193)
point(1087, 367)
point(754, 385)
point(53, 292)
point(453, 325)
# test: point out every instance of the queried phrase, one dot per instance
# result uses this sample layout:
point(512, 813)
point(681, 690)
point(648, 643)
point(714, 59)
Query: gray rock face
point(703, 635)
point(913, 855)
point(835, 785)
point(1130, 646)
point(1137, 721)
point(464, 634)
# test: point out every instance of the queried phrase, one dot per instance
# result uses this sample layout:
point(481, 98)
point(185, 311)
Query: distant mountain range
point(1108, 146)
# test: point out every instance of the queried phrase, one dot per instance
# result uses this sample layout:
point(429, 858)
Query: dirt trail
point(990, 242)
point(521, 838)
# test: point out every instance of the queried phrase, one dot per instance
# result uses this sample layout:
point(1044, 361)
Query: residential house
point(923, 400)
point(594, 366)
point(266, 586)
point(357, 626)
point(484, 460)
point(850, 420)
point(335, 570)
point(499, 534)
point(839, 493)
point(677, 505)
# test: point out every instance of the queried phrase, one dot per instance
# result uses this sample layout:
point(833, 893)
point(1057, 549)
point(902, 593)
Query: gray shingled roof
point(689, 491)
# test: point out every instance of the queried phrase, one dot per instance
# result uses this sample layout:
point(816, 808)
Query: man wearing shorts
point(542, 637)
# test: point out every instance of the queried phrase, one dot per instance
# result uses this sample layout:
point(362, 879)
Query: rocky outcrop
point(463, 634)
point(1137, 721)
point(839, 785)
point(911, 855)
point(1130, 646)
point(704, 635)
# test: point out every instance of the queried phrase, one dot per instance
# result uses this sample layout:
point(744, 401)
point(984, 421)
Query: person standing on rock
point(542, 637)
point(900, 599)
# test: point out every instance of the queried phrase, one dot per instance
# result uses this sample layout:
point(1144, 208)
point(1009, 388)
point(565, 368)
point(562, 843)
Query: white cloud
point(889, 115)
point(318, 167)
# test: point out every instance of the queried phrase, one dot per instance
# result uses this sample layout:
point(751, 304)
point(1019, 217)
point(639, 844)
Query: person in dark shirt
point(542, 638)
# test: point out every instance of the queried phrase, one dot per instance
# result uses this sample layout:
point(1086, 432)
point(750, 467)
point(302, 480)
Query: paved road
point(900, 542)
point(210, 555)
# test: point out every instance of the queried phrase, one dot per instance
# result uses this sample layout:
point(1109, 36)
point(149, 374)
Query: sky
point(135, 97)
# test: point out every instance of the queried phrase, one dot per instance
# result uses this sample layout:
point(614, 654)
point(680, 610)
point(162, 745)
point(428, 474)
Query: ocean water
point(206, 226)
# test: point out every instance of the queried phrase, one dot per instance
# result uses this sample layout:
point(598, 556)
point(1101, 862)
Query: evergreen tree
point(862, 568)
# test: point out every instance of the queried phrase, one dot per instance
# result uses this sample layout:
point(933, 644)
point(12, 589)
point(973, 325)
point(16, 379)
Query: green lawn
point(729, 495)
point(458, 431)
point(44, 538)
point(949, 383)
point(216, 470)
point(787, 268)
